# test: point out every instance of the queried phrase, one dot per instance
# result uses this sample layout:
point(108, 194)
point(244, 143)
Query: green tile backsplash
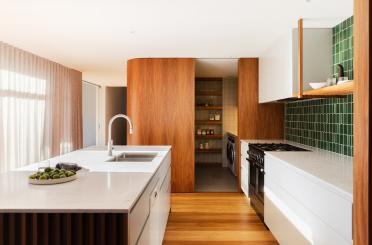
point(327, 123)
point(342, 47)
point(322, 123)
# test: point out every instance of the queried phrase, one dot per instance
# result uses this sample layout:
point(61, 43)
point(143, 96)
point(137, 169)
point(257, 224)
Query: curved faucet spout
point(110, 143)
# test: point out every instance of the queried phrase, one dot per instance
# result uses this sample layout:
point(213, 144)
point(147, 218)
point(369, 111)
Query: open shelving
point(208, 107)
point(208, 122)
point(209, 136)
point(215, 150)
point(208, 102)
point(331, 91)
point(209, 93)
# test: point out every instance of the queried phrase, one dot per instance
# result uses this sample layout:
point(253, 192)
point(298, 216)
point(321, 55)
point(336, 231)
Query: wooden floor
point(214, 218)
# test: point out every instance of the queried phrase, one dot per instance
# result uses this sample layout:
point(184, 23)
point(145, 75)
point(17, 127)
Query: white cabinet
point(148, 219)
point(297, 208)
point(275, 70)
point(278, 73)
point(244, 167)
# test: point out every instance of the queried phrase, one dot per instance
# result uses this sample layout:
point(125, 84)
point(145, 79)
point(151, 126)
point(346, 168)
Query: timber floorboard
point(214, 218)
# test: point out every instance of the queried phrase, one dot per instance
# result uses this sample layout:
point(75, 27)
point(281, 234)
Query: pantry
point(215, 124)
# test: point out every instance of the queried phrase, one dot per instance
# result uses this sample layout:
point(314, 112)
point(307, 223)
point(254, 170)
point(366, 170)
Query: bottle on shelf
point(199, 131)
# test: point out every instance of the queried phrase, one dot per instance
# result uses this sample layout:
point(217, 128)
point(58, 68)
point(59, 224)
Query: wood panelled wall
point(255, 121)
point(63, 228)
point(161, 103)
point(362, 110)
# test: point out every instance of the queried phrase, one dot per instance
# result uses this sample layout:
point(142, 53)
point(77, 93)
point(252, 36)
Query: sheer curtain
point(40, 108)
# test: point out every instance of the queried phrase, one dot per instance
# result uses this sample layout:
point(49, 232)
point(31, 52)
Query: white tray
point(52, 181)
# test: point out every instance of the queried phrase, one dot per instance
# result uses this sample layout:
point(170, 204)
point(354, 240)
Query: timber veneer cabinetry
point(255, 121)
point(161, 104)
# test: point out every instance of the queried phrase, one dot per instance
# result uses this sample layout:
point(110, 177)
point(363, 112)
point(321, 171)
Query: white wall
point(106, 78)
point(89, 114)
point(317, 59)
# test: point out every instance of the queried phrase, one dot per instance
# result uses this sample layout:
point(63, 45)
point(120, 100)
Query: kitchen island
point(112, 201)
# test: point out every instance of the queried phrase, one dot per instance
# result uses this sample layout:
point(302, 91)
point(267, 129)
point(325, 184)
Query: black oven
point(256, 180)
point(256, 156)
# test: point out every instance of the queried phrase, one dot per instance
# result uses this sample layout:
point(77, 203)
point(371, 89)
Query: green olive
point(56, 176)
point(43, 177)
point(34, 176)
point(70, 173)
point(48, 169)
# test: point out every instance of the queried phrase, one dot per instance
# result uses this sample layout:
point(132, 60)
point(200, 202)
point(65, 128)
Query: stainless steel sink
point(133, 157)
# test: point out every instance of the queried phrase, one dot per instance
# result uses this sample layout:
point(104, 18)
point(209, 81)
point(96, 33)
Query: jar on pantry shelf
point(217, 116)
point(199, 132)
point(211, 117)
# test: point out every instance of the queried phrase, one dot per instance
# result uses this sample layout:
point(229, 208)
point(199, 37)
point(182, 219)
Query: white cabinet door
point(148, 219)
point(275, 70)
point(244, 167)
point(164, 204)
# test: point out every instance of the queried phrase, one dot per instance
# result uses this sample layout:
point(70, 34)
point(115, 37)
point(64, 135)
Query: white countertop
point(332, 170)
point(107, 187)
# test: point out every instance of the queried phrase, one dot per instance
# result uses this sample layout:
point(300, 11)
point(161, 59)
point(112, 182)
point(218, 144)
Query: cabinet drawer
point(138, 218)
point(290, 219)
point(328, 206)
point(282, 228)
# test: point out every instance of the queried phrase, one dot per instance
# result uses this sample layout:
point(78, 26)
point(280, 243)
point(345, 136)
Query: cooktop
point(276, 147)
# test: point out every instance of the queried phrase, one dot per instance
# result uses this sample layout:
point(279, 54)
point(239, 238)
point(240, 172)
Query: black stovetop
point(276, 147)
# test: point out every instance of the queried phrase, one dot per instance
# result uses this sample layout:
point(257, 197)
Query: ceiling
point(216, 67)
point(98, 37)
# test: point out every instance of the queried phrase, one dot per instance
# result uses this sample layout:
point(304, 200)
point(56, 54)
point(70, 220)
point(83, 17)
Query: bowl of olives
point(52, 176)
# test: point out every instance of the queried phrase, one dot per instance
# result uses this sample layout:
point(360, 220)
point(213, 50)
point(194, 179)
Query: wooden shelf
point(216, 150)
point(210, 136)
point(208, 93)
point(207, 122)
point(208, 79)
point(208, 107)
point(331, 91)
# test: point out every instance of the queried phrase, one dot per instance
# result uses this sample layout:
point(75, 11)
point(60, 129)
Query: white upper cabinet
point(280, 64)
point(275, 70)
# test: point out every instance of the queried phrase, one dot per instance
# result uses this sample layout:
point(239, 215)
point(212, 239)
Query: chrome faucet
point(110, 143)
